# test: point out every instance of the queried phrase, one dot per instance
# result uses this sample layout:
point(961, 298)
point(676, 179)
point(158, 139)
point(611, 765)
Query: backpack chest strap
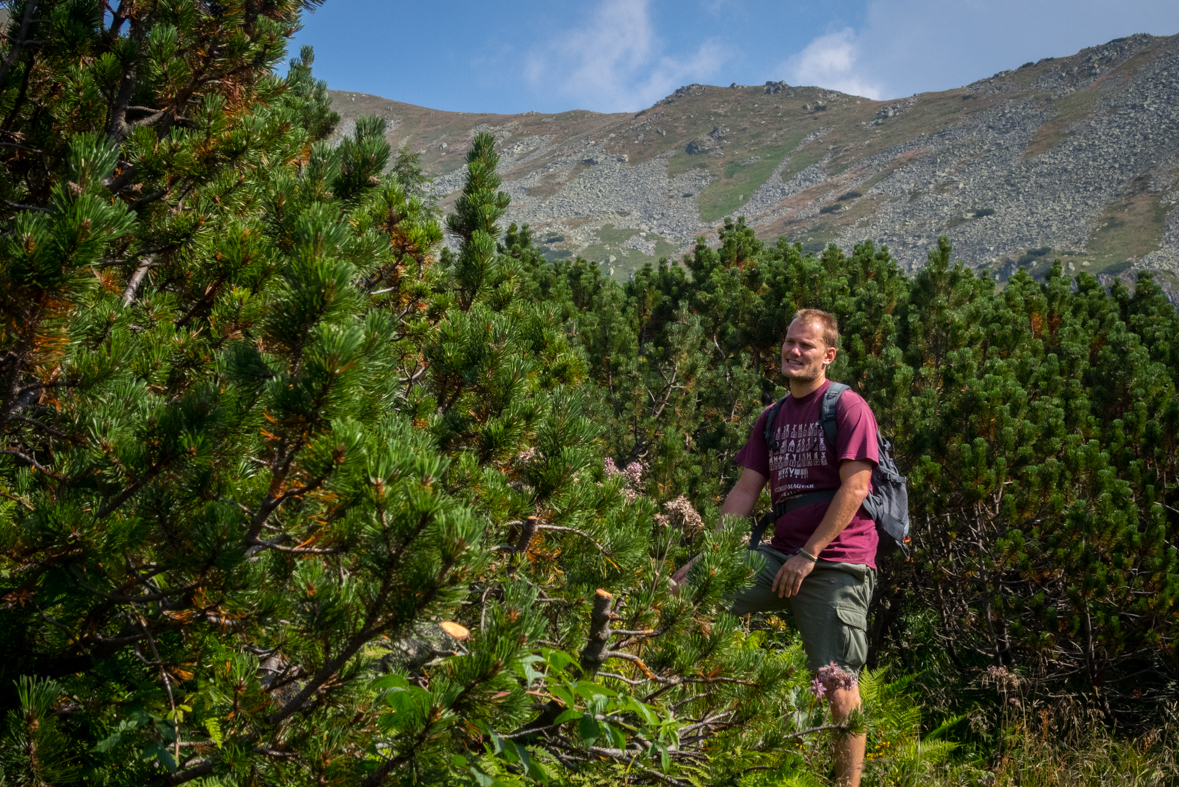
point(783, 507)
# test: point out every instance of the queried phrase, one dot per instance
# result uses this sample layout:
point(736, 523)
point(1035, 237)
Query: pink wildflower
point(833, 678)
point(818, 689)
point(1001, 678)
point(634, 474)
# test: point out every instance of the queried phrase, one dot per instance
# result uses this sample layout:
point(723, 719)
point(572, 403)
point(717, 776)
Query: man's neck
point(802, 388)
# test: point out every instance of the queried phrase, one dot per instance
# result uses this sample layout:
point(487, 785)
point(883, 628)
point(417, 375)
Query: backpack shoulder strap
point(768, 431)
point(830, 405)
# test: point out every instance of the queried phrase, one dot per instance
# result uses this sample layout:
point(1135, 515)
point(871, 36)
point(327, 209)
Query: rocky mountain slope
point(1076, 158)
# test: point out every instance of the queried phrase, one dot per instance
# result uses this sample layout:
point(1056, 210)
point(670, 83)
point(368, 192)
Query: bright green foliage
point(35, 750)
point(286, 498)
point(898, 751)
point(1040, 426)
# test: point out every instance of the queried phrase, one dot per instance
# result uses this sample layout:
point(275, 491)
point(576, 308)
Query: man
point(821, 561)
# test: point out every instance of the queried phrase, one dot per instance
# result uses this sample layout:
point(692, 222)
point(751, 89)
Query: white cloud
point(613, 61)
point(909, 46)
point(832, 61)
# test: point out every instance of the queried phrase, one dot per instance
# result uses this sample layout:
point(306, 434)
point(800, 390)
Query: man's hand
point(790, 576)
point(681, 576)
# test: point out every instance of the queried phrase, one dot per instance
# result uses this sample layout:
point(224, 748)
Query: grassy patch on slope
point(626, 261)
point(1069, 110)
point(681, 161)
point(739, 180)
point(1130, 228)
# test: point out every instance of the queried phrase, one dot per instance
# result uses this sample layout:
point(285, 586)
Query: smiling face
point(805, 355)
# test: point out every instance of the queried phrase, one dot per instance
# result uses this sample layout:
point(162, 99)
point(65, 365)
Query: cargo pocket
point(853, 638)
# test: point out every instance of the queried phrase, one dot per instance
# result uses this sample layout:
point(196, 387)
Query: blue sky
point(623, 55)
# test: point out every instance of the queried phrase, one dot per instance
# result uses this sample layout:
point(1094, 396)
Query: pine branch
point(671, 683)
point(586, 536)
point(117, 128)
point(527, 533)
point(813, 730)
point(274, 544)
point(21, 41)
point(272, 502)
point(21, 455)
point(159, 595)
point(146, 199)
point(593, 655)
point(137, 278)
point(707, 722)
point(39, 425)
point(590, 661)
point(373, 626)
point(614, 654)
point(151, 643)
point(20, 206)
point(619, 755)
point(119, 182)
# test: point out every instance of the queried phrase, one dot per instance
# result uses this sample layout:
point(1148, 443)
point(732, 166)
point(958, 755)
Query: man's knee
point(843, 701)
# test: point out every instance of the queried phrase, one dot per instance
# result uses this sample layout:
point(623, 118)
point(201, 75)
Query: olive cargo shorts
point(830, 610)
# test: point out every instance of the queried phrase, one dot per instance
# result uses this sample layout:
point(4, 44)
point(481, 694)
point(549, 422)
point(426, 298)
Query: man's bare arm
point(743, 496)
point(855, 481)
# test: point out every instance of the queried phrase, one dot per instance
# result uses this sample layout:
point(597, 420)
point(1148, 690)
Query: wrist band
point(807, 555)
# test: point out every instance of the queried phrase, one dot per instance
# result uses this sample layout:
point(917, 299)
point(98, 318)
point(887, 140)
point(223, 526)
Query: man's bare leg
point(848, 750)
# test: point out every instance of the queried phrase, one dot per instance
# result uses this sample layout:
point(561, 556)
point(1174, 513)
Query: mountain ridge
point(1074, 157)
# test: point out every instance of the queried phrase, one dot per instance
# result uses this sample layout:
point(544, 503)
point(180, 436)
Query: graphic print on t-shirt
point(804, 462)
point(803, 446)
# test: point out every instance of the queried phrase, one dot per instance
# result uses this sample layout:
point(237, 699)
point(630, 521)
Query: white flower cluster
point(681, 516)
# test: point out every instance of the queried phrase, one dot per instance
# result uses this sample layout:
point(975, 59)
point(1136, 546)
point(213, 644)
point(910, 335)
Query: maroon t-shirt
point(805, 463)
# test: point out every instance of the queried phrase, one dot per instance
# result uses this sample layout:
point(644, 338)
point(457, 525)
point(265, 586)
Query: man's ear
point(831, 353)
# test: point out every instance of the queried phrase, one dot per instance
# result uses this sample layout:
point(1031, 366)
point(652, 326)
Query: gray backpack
point(887, 504)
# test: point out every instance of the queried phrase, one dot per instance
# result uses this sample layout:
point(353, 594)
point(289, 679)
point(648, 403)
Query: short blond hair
point(828, 326)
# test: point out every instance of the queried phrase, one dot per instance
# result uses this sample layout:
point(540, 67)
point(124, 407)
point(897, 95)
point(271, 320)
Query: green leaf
point(161, 755)
point(109, 742)
point(391, 681)
point(482, 779)
point(529, 674)
point(588, 730)
point(557, 659)
point(614, 734)
point(531, 768)
point(643, 711)
point(497, 743)
point(569, 714)
point(214, 729)
point(408, 699)
point(564, 695)
point(587, 690)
